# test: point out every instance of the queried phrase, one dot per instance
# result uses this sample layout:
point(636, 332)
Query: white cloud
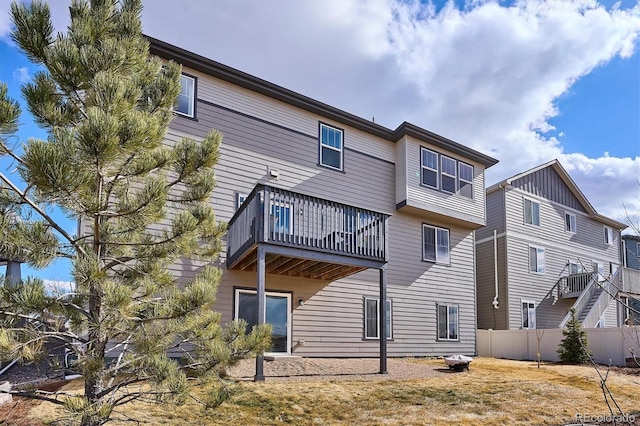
point(488, 75)
point(4, 20)
point(22, 75)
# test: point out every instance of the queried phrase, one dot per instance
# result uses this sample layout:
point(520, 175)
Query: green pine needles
point(574, 348)
point(143, 210)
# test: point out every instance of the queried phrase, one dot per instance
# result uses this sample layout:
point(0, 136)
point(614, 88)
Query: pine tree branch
point(7, 150)
point(42, 213)
point(40, 395)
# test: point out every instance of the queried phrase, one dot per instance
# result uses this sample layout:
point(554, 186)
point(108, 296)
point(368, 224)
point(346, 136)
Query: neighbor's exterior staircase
point(593, 300)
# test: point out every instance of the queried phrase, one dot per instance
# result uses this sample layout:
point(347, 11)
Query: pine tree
point(574, 347)
point(142, 205)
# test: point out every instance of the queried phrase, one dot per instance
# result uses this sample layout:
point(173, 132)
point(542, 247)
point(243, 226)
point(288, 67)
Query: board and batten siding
point(585, 246)
point(225, 94)
point(455, 206)
point(547, 183)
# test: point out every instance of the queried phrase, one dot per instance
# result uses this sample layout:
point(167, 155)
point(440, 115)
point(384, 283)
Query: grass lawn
point(492, 392)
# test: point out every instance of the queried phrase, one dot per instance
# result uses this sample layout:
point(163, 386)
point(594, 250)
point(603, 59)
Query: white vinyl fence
point(606, 345)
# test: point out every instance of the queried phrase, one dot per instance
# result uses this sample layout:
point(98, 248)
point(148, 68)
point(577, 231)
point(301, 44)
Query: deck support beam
point(382, 306)
point(259, 377)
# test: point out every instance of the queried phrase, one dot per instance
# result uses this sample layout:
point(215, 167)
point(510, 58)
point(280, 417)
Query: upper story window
point(331, 146)
point(435, 244)
point(608, 235)
point(466, 179)
point(448, 322)
point(570, 222)
point(240, 197)
point(536, 260)
point(186, 104)
point(531, 212)
point(429, 166)
point(448, 174)
point(439, 171)
point(372, 320)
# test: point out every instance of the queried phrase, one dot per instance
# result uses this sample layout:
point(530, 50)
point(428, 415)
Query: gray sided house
point(545, 250)
point(631, 280)
point(329, 213)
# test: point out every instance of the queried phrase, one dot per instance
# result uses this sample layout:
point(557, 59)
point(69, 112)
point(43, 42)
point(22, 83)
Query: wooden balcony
point(573, 285)
point(305, 236)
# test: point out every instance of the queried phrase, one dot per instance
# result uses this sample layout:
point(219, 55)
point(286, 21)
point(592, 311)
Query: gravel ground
point(325, 369)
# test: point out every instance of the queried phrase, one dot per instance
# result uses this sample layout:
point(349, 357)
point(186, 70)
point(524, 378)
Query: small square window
point(531, 212)
point(448, 327)
point(240, 197)
point(331, 147)
point(186, 99)
point(570, 222)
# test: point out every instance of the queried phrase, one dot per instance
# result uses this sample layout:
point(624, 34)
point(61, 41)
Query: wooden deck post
point(259, 377)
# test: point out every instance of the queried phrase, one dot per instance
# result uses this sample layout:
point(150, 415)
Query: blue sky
point(526, 82)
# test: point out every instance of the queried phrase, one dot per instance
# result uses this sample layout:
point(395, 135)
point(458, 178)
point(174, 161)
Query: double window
point(448, 325)
point(528, 315)
point(331, 147)
point(570, 222)
point(531, 212)
point(439, 171)
point(372, 320)
point(186, 103)
point(435, 244)
point(536, 259)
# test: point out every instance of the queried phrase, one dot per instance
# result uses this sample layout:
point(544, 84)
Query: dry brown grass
point(493, 392)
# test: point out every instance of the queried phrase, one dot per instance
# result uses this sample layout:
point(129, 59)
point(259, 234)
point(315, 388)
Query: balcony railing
point(573, 285)
point(280, 217)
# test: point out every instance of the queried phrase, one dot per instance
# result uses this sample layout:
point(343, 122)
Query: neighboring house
point(545, 250)
point(12, 272)
point(630, 294)
point(328, 212)
point(631, 245)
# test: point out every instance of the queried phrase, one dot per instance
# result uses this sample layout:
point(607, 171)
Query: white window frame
point(279, 207)
point(531, 314)
point(461, 180)
point(576, 266)
point(424, 167)
point(289, 324)
point(322, 144)
point(448, 321)
point(240, 198)
point(438, 243)
point(570, 222)
point(608, 235)
point(389, 330)
point(444, 174)
point(531, 210)
point(539, 265)
point(190, 95)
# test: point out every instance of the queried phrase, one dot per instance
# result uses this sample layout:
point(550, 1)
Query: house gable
point(547, 183)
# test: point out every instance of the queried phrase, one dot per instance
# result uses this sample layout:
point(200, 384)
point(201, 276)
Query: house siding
point(454, 206)
point(505, 213)
point(267, 135)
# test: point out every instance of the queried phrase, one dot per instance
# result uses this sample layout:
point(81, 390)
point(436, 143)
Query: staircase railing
point(583, 300)
point(602, 303)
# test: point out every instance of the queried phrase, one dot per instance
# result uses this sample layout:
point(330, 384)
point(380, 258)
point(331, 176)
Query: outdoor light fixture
point(301, 302)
